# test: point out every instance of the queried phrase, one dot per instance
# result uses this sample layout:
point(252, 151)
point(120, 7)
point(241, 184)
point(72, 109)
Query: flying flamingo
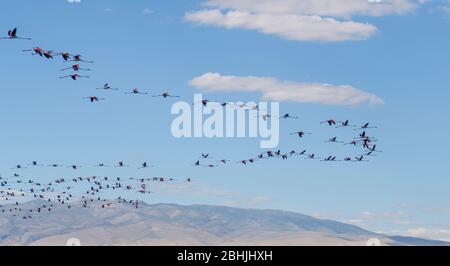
point(166, 95)
point(330, 122)
point(374, 149)
point(205, 102)
point(18, 167)
point(302, 153)
point(35, 163)
point(101, 165)
point(12, 34)
point(206, 156)
point(334, 140)
point(121, 164)
point(66, 56)
point(37, 51)
point(312, 157)
point(136, 91)
point(366, 126)
point(74, 76)
point(288, 116)
point(74, 167)
point(345, 124)
point(360, 159)
point(48, 54)
point(55, 165)
point(353, 142)
point(301, 134)
point(265, 116)
point(94, 98)
point(107, 87)
point(145, 165)
point(77, 58)
point(330, 159)
point(75, 68)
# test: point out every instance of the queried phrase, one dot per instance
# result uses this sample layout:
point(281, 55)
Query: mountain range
point(198, 225)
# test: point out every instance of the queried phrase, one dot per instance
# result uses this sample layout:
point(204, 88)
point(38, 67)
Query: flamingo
point(74, 76)
point(35, 163)
point(366, 126)
point(353, 142)
point(166, 95)
point(12, 34)
point(302, 153)
point(18, 167)
point(334, 140)
point(288, 116)
point(48, 54)
point(66, 56)
point(37, 51)
point(55, 165)
point(360, 159)
point(206, 156)
point(330, 159)
point(107, 87)
point(74, 167)
point(374, 149)
point(121, 164)
point(312, 157)
point(94, 99)
point(75, 68)
point(330, 122)
point(145, 165)
point(265, 116)
point(136, 91)
point(205, 102)
point(101, 165)
point(77, 58)
point(345, 124)
point(301, 134)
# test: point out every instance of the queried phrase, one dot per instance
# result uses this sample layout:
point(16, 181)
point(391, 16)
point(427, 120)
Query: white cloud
point(147, 11)
point(287, 26)
point(74, 1)
point(331, 8)
point(429, 233)
point(300, 20)
point(276, 90)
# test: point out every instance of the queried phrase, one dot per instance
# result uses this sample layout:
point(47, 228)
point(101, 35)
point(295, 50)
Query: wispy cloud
point(275, 90)
point(306, 20)
point(147, 11)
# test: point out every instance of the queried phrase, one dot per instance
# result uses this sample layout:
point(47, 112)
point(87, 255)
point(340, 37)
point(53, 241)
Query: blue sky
point(153, 45)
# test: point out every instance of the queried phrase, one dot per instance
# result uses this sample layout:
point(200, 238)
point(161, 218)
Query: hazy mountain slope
point(166, 224)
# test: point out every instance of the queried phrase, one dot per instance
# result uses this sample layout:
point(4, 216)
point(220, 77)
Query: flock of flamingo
point(15, 189)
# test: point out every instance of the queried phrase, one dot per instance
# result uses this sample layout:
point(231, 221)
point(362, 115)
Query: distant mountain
point(166, 224)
